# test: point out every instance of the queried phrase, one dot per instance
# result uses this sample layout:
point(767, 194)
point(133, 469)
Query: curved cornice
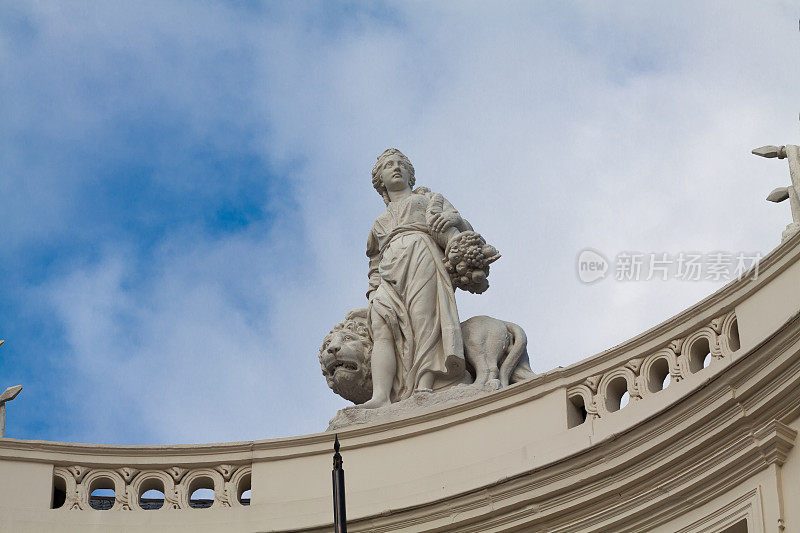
point(711, 441)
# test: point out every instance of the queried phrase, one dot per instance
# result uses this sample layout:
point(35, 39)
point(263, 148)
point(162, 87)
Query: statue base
point(418, 403)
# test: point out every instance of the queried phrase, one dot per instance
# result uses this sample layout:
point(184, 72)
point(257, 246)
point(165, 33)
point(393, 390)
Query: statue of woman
point(412, 308)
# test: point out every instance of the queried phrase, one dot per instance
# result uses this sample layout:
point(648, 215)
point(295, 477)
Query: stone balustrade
point(73, 486)
point(645, 376)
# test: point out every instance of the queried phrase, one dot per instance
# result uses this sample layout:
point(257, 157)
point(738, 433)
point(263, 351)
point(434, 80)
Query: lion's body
point(495, 351)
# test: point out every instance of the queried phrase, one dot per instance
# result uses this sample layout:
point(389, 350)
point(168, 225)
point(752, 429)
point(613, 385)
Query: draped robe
point(411, 291)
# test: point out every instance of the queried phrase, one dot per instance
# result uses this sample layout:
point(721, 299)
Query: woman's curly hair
point(376, 172)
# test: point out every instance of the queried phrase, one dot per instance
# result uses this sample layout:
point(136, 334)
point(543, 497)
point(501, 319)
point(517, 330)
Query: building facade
point(712, 451)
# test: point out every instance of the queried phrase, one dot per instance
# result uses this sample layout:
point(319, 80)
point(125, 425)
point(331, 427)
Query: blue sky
point(185, 195)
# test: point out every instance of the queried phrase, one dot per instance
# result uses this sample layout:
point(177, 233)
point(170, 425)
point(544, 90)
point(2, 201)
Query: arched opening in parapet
point(151, 494)
point(201, 493)
point(151, 500)
point(243, 490)
point(576, 411)
point(699, 355)
point(733, 338)
point(658, 376)
point(615, 390)
point(101, 494)
point(59, 492)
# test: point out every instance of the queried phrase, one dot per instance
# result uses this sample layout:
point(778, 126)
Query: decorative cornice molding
point(775, 440)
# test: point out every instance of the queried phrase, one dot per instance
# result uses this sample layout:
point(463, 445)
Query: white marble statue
point(412, 315)
point(408, 339)
point(792, 192)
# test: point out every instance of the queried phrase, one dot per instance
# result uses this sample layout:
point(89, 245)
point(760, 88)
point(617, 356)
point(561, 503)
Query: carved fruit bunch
point(467, 259)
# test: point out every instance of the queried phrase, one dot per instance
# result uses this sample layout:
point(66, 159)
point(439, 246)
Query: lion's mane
point(356, 325)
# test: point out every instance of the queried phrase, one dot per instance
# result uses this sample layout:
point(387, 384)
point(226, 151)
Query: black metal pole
point(339, 516)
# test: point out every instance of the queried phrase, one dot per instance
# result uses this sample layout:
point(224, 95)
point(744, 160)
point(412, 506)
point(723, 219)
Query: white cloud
point(618, 128)
point(213, 346)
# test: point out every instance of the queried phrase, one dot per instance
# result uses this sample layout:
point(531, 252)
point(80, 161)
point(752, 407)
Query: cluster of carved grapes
point(467, 260)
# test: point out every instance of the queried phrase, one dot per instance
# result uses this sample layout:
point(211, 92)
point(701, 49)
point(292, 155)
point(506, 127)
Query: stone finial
point(771, 151)
point(791, 193)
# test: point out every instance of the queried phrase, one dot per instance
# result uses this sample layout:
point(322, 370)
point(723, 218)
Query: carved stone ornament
point(225, 470)
point(676, 346)
point(122, 501)
point(177, 473)
point(224, 498)
point(593, 381)
point(172, 499)
point(127, 473)
point(634, 364)
point(716, 324)
point(78, 472)
point(716, 349)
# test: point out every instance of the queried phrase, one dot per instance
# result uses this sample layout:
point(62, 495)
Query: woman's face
point(394, 174)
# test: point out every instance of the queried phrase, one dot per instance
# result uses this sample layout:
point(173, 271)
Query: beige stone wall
point(790, 482)
point(713, 448)
point(25, 485)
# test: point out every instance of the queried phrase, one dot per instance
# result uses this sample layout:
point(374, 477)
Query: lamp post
point(339, 515)
point(8, 395)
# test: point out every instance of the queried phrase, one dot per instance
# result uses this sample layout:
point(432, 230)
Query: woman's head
point(390, 155)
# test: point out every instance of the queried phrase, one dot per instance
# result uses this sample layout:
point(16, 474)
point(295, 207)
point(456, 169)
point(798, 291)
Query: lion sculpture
point(495, 351)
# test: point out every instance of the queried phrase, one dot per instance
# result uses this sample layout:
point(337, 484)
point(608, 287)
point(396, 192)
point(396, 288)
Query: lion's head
point(345, 358)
